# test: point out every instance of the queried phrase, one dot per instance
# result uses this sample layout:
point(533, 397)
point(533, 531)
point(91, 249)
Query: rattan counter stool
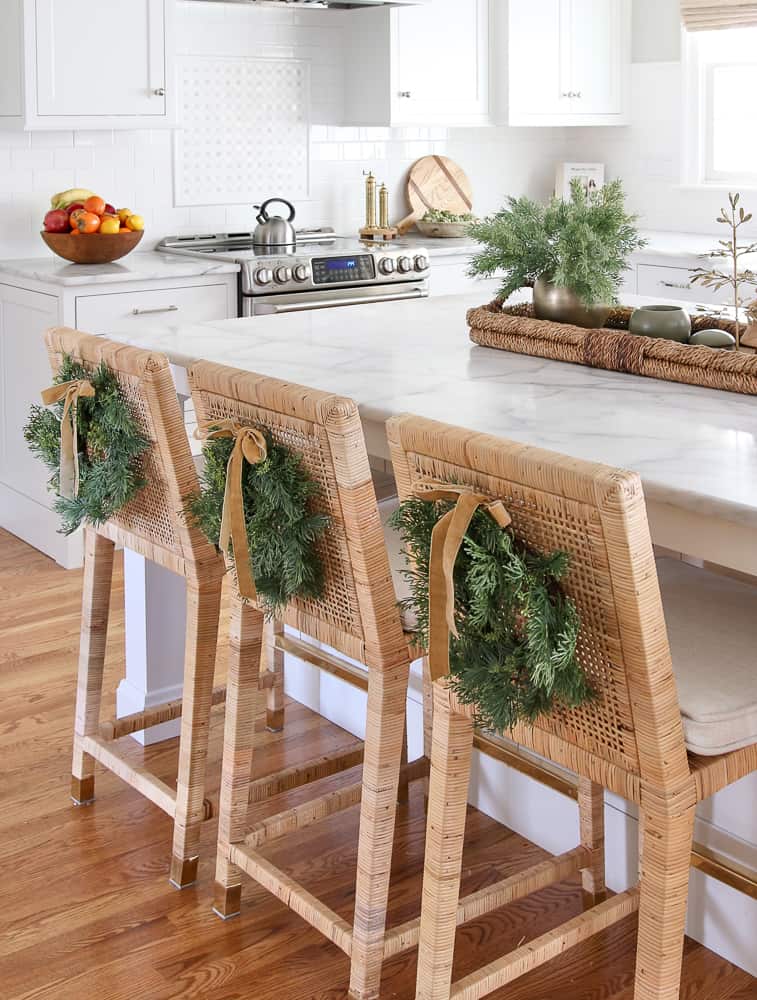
point(357, 615)
point(153, 526)
point(636, 739)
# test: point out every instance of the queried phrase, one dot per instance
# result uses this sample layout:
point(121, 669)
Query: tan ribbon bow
point(70, 392)
point(446, 539)
point(249, 446)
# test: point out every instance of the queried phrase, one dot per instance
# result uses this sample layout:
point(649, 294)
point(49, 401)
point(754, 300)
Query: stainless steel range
point(319, 271)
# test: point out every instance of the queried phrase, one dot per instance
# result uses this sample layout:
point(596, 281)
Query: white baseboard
point(721, 918)
point(35, 524)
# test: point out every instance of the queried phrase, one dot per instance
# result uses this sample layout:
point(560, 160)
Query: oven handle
point(417, 293)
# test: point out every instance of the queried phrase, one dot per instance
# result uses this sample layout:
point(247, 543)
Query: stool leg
point(667, 841)
point(451, 753)
point(98, 576)
point(274, 662)
point(203, 611)
point(591, 811)
point(245, 649)
point(387, 694)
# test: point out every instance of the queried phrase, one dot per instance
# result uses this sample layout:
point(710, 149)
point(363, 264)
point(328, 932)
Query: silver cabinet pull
point(405, 93)
point(675, 284)
point(147, 312)
point(159, 92)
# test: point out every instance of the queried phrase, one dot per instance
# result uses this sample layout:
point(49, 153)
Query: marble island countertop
point(143, 266)
point(695, 448)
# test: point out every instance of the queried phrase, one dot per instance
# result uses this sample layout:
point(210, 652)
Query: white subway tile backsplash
point(30, 159)
point(92, 138)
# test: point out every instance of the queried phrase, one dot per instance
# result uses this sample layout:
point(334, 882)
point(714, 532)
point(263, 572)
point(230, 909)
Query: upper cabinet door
point(97, 63)
point(596, 56)
point(539, 59)
point(568, 62)
point(11, 93)
point(441, 63)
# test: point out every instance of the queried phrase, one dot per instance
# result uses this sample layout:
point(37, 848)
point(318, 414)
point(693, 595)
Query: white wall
point(135, 169)
point(647, 155)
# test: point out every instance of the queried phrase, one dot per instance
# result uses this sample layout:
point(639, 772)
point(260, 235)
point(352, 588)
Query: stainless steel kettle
point(274, 231)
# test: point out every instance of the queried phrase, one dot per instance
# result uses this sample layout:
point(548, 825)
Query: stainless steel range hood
point(328, 4)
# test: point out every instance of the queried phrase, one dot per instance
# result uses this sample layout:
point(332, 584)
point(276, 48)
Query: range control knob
point(404, 265)
point(386, 265)
point(282, 274)
point(301, 272)
point(421, 263)
point(263, 276)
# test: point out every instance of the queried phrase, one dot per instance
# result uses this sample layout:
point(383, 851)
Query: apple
point(56, 221)
point(109, 210)
point(73, 206)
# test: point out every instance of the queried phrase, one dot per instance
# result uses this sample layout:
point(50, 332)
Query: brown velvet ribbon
point(446, 539)
point(70, 392)
point(249, 446)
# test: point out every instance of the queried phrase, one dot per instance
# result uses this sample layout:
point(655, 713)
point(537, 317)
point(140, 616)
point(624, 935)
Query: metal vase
point(561, 305)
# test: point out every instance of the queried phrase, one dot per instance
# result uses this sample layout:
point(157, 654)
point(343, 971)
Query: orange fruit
point(95, 205)
point(74, 217)
point(88, 222)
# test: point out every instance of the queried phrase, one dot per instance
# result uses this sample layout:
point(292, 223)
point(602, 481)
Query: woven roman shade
point(706, 15)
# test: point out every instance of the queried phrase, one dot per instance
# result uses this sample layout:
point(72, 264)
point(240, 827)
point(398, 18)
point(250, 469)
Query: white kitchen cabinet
point(27, 309)
point(663, 282)
point(425, 65)
point(568, 62)
point(94, 64)
point(11, 93)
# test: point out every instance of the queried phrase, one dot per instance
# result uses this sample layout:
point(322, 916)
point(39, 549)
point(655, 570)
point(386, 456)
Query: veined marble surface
point(148, 266)
point(694, 448)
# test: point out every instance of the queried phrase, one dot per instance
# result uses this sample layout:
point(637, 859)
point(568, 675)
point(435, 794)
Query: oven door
point(328, 298)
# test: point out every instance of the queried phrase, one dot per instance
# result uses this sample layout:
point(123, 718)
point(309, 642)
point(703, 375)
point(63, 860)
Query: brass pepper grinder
point(383, 207)
point(370, 201)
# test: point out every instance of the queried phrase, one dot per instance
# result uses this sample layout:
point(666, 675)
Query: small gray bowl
point(665, 321)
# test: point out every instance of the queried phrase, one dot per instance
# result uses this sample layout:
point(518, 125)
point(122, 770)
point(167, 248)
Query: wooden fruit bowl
point(91, 248)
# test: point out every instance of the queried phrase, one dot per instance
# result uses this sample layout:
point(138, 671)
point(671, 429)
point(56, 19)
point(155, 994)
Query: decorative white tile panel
point(245, 130)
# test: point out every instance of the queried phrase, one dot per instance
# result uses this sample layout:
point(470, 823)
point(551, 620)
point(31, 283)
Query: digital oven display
point(337, 270)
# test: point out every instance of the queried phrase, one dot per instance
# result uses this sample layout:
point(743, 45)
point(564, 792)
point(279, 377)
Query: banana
point(66, 198)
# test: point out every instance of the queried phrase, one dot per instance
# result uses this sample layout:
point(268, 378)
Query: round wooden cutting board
point(436, 183)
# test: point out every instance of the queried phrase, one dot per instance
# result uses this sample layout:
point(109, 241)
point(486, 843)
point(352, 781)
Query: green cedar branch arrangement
point(283, 525)
point(110, 447)
point(515, 658)
point(582, 244)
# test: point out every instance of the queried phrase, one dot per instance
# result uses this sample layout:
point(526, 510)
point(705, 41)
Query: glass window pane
point(734, 139)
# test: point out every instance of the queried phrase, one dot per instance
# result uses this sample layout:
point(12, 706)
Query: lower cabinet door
point(675, 283)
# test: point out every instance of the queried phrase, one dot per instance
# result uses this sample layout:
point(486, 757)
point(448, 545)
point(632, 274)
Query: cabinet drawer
point(675, 283)
point(124, 311)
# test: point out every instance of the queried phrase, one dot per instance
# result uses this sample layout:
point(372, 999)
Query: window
point(721, 146)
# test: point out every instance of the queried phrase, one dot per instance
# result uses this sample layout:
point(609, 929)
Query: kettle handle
point(263, 214)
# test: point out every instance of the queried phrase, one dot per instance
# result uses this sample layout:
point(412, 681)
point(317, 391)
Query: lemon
point(136, 223)
point(110, 225)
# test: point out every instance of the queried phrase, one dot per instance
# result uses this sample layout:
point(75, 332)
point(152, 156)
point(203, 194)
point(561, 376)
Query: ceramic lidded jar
point(665, 321)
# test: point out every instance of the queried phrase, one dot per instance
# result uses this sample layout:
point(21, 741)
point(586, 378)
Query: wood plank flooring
point(87, 912)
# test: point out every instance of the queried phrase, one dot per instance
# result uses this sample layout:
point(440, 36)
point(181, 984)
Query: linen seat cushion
point(396, 560)
point(712, 629)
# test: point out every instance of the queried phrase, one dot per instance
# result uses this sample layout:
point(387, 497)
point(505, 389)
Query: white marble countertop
point(694, 448)
point(147, 266)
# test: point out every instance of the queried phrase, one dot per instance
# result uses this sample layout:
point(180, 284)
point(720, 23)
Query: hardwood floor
point(87, 912)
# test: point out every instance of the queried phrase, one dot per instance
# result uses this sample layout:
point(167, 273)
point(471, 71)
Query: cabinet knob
point(159, 92)
point(405, 94)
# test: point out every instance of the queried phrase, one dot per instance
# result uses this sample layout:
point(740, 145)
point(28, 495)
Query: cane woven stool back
point(356, 615)
point(154, 526)
point(629, 740)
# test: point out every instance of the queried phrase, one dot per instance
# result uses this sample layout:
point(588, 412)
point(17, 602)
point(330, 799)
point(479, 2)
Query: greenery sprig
point(283, 526)
point(110, 445)
point(515, 658)
point(582, 244)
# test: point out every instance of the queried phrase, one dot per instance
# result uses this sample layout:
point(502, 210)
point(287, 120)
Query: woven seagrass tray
point(513, 328)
